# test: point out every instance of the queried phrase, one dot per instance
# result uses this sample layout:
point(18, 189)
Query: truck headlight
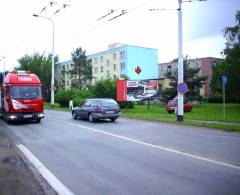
point(41, 115)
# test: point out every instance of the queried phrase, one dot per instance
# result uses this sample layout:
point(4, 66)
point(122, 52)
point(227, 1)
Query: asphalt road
point(133, 156)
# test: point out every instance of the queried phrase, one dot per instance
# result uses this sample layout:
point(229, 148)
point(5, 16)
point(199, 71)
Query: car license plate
point(27, 116)
point(109, 112)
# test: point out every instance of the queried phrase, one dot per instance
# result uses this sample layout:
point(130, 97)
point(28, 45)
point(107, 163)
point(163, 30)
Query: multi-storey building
point(62, 75)
point(119, 60)
point(125, 60)
point(205, 65)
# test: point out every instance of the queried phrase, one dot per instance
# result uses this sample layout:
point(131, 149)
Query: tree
point(191, 78)
point(230, 66)
point(104, 89)
point(81, 72)
point(41, 66)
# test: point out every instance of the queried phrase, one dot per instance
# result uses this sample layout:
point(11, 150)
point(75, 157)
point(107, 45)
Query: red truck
point(20, 96)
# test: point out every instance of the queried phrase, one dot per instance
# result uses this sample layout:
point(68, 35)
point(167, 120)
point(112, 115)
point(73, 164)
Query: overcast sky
point(76, 25)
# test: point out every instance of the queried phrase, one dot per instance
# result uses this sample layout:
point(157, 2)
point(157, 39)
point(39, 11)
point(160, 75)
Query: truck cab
point(21, 97)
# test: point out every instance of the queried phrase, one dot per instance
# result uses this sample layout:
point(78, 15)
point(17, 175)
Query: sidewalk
point(17, 176)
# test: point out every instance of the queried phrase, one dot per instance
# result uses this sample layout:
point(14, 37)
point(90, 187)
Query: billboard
point(136, 90)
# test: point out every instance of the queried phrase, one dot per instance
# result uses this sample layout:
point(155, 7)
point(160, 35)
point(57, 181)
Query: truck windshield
point(25, 92)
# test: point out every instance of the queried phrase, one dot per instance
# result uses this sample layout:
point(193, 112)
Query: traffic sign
point(182, 88)
point(224, 79)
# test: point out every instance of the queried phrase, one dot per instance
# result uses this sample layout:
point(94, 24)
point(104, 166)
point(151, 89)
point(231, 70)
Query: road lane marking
point(53, 181)
point(154, 146)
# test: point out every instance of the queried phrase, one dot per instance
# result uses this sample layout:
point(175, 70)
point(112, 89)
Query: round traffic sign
point(182, 88)
point(224, 79)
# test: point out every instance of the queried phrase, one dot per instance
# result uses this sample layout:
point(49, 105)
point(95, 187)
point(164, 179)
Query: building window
point(169, 69)
point(108, 73)
point(101, 58)
point(108, 62)
point(114, 56)
point(122, 54)
point(96, 70)
point(114, 77)
point(67, 83)
point(114, 66)
point(122, 66)
point(101, 68)
point(95, 60)
point(101, 78)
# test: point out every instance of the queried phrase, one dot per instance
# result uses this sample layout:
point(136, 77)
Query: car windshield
point(25, 92)
point(107, 103)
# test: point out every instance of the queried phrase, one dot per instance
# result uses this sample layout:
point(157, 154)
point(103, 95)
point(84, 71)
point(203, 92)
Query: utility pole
point(180, 63)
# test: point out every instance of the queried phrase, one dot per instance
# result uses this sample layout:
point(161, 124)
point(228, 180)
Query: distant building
point(119, 60)
point(206, 70)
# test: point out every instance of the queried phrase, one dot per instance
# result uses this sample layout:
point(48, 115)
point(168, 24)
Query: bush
point(77, 101)
point(126, 104)
point(215, 98)
point(63, 98)
point(77, 95)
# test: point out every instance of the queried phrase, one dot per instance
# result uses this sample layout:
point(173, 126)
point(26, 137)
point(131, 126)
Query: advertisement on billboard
point(136, 90)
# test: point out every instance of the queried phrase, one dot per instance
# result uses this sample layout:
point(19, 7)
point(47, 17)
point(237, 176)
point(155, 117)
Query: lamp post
point(180, 62)
point(52, 78)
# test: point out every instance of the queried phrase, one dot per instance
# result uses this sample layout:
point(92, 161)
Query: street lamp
point(52, 79)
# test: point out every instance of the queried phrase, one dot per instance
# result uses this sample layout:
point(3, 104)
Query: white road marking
point(53, 181)
point(155, 146)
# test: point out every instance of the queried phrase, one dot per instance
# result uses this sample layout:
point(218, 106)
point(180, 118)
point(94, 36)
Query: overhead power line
point(63, 6)
point(51, 3)
point(123, 12)
point(20, 38)
point(83, 30)
point(104, 16)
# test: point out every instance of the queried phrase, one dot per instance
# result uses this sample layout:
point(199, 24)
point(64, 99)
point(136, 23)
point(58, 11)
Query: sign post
point(182, 89)
point(224, 82)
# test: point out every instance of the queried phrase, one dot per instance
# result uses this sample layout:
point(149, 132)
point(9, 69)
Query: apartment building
point(125, 60)
point(117, 61)
point(205, 65)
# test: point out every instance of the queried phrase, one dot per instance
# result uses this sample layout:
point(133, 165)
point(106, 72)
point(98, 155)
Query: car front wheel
point(90, 118)
point(74, 115)
point(113, 119)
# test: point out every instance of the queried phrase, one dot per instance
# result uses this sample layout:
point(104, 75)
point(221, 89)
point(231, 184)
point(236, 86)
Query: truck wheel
point(6, 119)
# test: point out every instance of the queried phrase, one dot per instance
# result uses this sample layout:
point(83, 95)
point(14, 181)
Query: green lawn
point(205, 112)
point(199, 112)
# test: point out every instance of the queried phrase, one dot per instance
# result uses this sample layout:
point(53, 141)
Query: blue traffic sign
point(182, 88)
point(224, 79)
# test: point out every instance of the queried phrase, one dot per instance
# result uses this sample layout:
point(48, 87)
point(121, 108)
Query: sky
point(81, 24)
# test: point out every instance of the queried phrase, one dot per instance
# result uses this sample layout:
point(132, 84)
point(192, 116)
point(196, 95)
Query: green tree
point(41, 66)
point(230, 66)
point(191, 78)
point(81, 72)
point(104, 89)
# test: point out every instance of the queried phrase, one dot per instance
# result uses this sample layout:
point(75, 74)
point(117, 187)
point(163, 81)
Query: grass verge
point(203, 115)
